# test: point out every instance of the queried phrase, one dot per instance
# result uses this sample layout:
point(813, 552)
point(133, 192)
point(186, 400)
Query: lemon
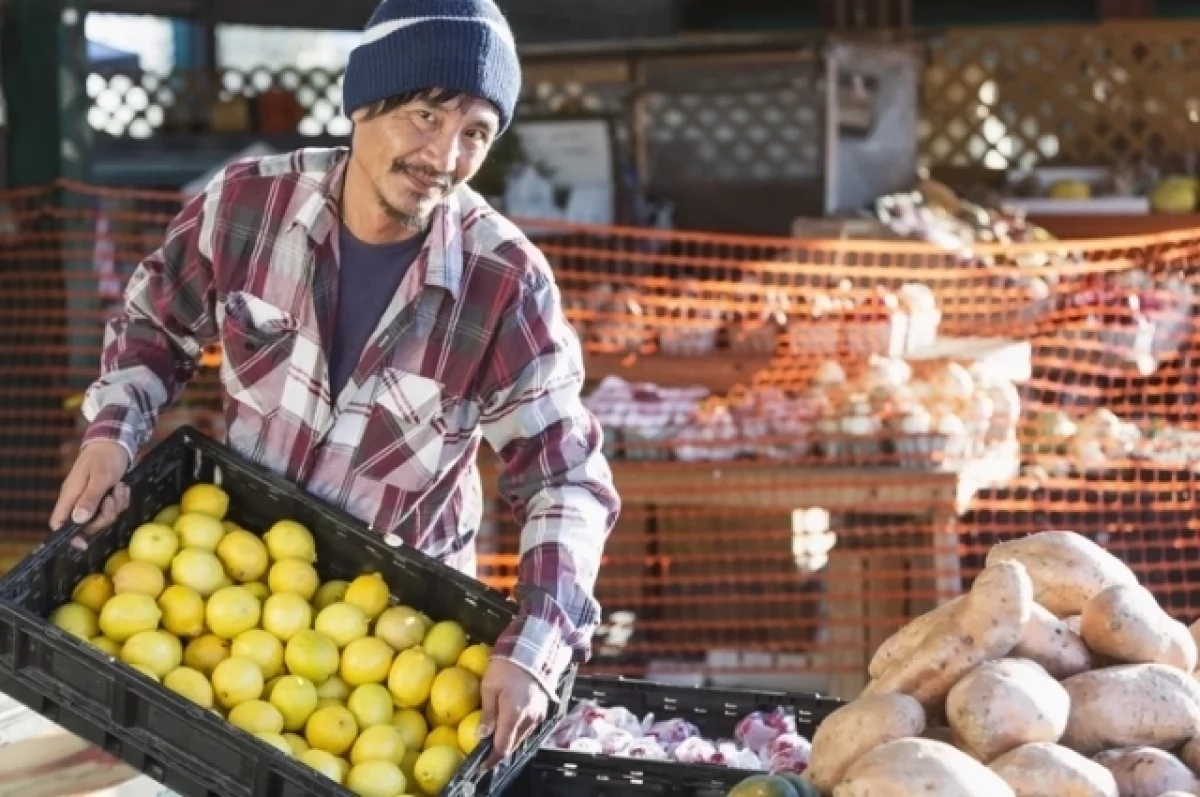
point(376, 779)
point(206, 499)
point(182, 611)
point(286, 615)
point(167, 515)
point(296, 742)
point(436, 766)
point(269, 687)
point(154, 543)
point(311, 655)
point(401, 627)
point(453, 695)
point(146, 671)
point(244, 556)
point(345, 767)
point(107, 645)
point(329, 593)
point(342, 622)
point(277, 741)
point(199, 569)
point(114, 562)
point(230, 525)
point(199, 531)
point(412, 726)
point(232, 610)
point(366, 661)
point(368, 592)
point(334, 689)
point(157, 651)
point(408, 764)
point(444, 643)
point(125, 615)
point(468, 732)
point(371, 704)
point(258, 589)
point(475, 659)
point(323, 762)
point(204, 653)
point(93, 591)
point(378, 743)
point(326, 702)
point(441, 736)
point(77, 620)
point(192, 684)
point(331, 729)
point(139, 577)
point(262, 648)
point(256, 716)
point(411, 677)
point(287, 539)
point(296, 699)
point(292, 575)
point(235, 681)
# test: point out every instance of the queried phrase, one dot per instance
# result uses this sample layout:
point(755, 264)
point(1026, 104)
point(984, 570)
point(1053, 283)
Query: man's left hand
point(513, 704)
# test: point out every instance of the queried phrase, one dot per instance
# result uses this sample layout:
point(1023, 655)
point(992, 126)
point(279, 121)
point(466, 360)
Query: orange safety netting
point(811, 493)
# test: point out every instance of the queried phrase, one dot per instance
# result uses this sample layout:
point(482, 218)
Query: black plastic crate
point(716, 712)
point(175, 742)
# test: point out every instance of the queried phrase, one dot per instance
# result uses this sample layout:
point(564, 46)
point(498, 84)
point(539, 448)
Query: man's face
point(418, 153)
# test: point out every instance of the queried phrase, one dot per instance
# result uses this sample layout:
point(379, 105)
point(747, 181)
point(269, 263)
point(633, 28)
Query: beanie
point(416, 45)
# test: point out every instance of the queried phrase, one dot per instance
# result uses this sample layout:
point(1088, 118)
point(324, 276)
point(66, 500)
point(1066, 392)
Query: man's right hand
point(97, 470)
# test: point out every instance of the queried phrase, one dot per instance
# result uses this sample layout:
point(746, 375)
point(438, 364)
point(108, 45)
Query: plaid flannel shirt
point(474, 345)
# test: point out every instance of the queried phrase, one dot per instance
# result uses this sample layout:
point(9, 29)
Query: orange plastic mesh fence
point(807, 497)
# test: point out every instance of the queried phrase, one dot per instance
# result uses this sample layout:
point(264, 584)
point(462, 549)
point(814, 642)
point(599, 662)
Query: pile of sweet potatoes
point(1056, 675)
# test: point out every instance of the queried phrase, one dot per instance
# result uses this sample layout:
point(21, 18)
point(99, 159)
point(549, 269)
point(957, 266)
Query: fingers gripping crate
point(185, 747)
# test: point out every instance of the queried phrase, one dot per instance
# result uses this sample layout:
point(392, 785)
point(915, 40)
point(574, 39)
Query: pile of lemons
point(375, 696)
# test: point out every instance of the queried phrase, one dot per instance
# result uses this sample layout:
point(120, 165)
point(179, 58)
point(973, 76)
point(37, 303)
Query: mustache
point(443, 180)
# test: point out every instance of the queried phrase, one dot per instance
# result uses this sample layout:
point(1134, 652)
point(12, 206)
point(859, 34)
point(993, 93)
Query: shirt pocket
point(404, 435)
point(258, 340)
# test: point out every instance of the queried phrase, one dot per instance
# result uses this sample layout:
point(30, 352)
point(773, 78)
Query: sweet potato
point(1066, 568)
point(1131, 705)
point(1005, 704)
point(1126, 623)
point(857, 728)
point(1147, 772)
point(920, 768)
point(1051, 643)
point(1041, 769)
point(985, 626)
point(902, 643)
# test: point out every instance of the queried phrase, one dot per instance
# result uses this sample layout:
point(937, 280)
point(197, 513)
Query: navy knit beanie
point(415, 45)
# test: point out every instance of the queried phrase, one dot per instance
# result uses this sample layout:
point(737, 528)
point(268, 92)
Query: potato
point(1147, 772)
point(1074, 622)
point(1051, 643)
point(1126, 623)
point(920, 768)
point(1041, 769)
point(1131, 705)
point(857, 728)
point(1005, 704)
point(1066, 568)
point(985, 626)
point(902, 643)
point(1190, 755)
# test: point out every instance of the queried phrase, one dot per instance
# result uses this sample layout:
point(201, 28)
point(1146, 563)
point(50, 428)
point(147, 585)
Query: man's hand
point(513, 704)
point(98, 469)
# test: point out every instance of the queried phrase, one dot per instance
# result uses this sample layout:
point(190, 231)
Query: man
point(377, 320)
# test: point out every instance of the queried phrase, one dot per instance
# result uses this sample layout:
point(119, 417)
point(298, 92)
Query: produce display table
point(1088, 227)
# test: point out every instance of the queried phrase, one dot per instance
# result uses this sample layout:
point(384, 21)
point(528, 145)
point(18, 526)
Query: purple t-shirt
point(368, 277)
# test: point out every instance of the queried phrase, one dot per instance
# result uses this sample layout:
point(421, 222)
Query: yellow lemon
point(256, 716)
point(323, 762)
point(311, 655)
point(139, 577)
point(287, 539)
point(411, 677)
point(77, 620)
point(269, 687)
point(286, 614)
point(199, 531)
point(408, 764)
point(199, 569)
point(296, 742)
point(191, 684)
point(342, 622)
point(168, 515)
point(107, 645)
point(444, 643)
point(230, 525)
point(368, 592)
point(154, 543)
point(182, 611)
point(468, 732)
point(292, 575)
point(376, 779)
point(345, 766)
point(232, 610)
point(277, 741)
point(93, 591)
point(262, 648)
point(258, 589)
point(114, 562)
point(235, 681)
point(205, 499)
point(412, 726)
point(441, 736)
point(475, 659)
point(453, 695)
point(371, 704)
point(331, 729)
point(401, 627)
point(146, 671)
point(366, 661)
point(334, 689)
point(205, 652)
point(126, 615)
point(243, 555)
point(329, 593)
point(436, 766)
point(326, 702)
point(157, 651)
point(296, 699)
point(378, 743)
